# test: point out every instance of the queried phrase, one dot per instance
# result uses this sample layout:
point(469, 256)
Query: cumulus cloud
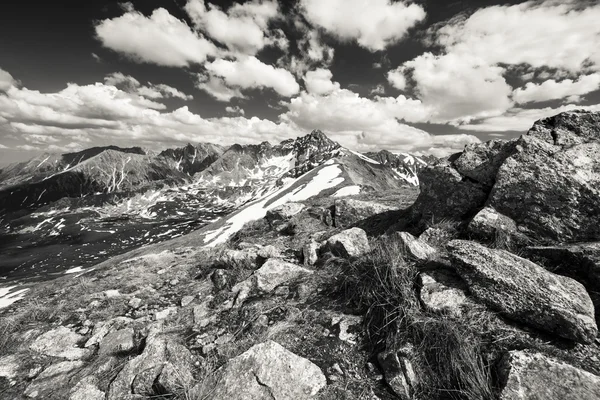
point(312, 51)
point(242, 28)
point(152, 91)
point(251, 73)
point(319, 81)
point(159, 39)
point(374, 24)
point(217, 88)
point(6, 81)
point(521, 119)
point(3, 146)
point(552, 90)
point(235, 110)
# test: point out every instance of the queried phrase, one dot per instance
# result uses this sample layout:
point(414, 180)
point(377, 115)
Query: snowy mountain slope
point(405, 166)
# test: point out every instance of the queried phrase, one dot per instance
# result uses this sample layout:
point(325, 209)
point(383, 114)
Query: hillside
point(337, 285)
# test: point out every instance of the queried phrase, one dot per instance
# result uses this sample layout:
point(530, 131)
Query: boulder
point(273, 273)
point(491, 226)
point(54, 377)
point(415, 248)
point(279, 217)
point(121, 341)
point(203, 314)
point(534, 376)
point(249, 258)
point(104, 328)
point(443, 291)
point(580, 260)
point(60, 342)
point(268, 371)
point(551, 192)
point(348, 212)
point(445, 194)
point(310, 252)
point(352, 242)
point(86, 389)
point(399, 372)
point(140, 374)
point(436, 237)
point(525, 292)
point(10, 366)
point(480, 162)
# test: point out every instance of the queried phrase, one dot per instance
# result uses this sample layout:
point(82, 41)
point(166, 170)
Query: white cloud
point(243, 28)
point(521, 119)
point(378, 90)
point(160, 39)
point(131, 85)
point(6, 81)
point(552, 90)
point(3, 146)
point(396, 77)
point(235, 110)
point(312, 51)
point(374, 24)
point(216, 87)
point(319, 82)
point(96, 57)
point(459, 88)
point(251, 73)
point(555, 34)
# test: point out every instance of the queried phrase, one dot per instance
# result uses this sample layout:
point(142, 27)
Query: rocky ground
point(483, 285)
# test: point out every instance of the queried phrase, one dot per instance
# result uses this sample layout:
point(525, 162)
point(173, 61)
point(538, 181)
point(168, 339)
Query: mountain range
point(105, 200)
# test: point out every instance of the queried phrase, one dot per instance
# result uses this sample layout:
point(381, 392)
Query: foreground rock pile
point(496, 299)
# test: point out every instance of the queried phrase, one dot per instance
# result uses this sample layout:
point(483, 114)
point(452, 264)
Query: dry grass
point(448, 352)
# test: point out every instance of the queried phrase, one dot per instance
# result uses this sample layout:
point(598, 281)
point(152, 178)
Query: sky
point(422, 76)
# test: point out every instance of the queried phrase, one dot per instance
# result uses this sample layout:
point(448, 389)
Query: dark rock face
point(534, 376)
point(547, 181)
point(191, 159)
point(525, 292)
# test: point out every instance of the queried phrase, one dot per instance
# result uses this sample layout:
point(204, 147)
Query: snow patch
point(74, 270)
point(347, 191)
point(363, 157)
point(7, 297)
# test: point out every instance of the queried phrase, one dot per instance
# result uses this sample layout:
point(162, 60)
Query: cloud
point(251, 73)
point(159, 39)
point(217, 88)
point(553, 90)
point(458, 88)
point(319, 82)
point(243, 28)
point(3, 146)
point(235, 110)
point(312, 51)
point(96, 57)
point(378, 90)
point(131, 85)
point(556, 34)
point(6, 81)
point(374, 24)
point(521, 119)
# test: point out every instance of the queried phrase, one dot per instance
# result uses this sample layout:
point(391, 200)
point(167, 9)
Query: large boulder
point(547, 181)
point(348, 212)
point(534, 376)
point(525, 292)
point(55, 376)
point(491, 226)
point(273, 273)
point(268, 371)
point(350, 243)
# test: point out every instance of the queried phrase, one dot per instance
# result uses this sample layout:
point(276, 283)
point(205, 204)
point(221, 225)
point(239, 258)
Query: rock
point(279, 217)
point(104, 328)
point(121, 341)
point(322, 214)
point(436, 237)
point(581, 260)
point(220, 278)
point(348, 325)
point(60, 342)
point(176, 372)
point(141, 373)
point(187, 300)
point(9, 366)
point(525, 292)
point(568, 128)
point(352, 242)
point(273, 273)
point(444, 194)
point(525, 375)
point(203, 314)
point(247, 258)
point(111, 294)
point(443, 291)
point(491, 226)
point(55, 376)
point(310, 252)
point(480, 161)
point(164, 314)
point(415, 248)
point(86, 389)
point(399, 373)
point(268, 371)
point(349, 212)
